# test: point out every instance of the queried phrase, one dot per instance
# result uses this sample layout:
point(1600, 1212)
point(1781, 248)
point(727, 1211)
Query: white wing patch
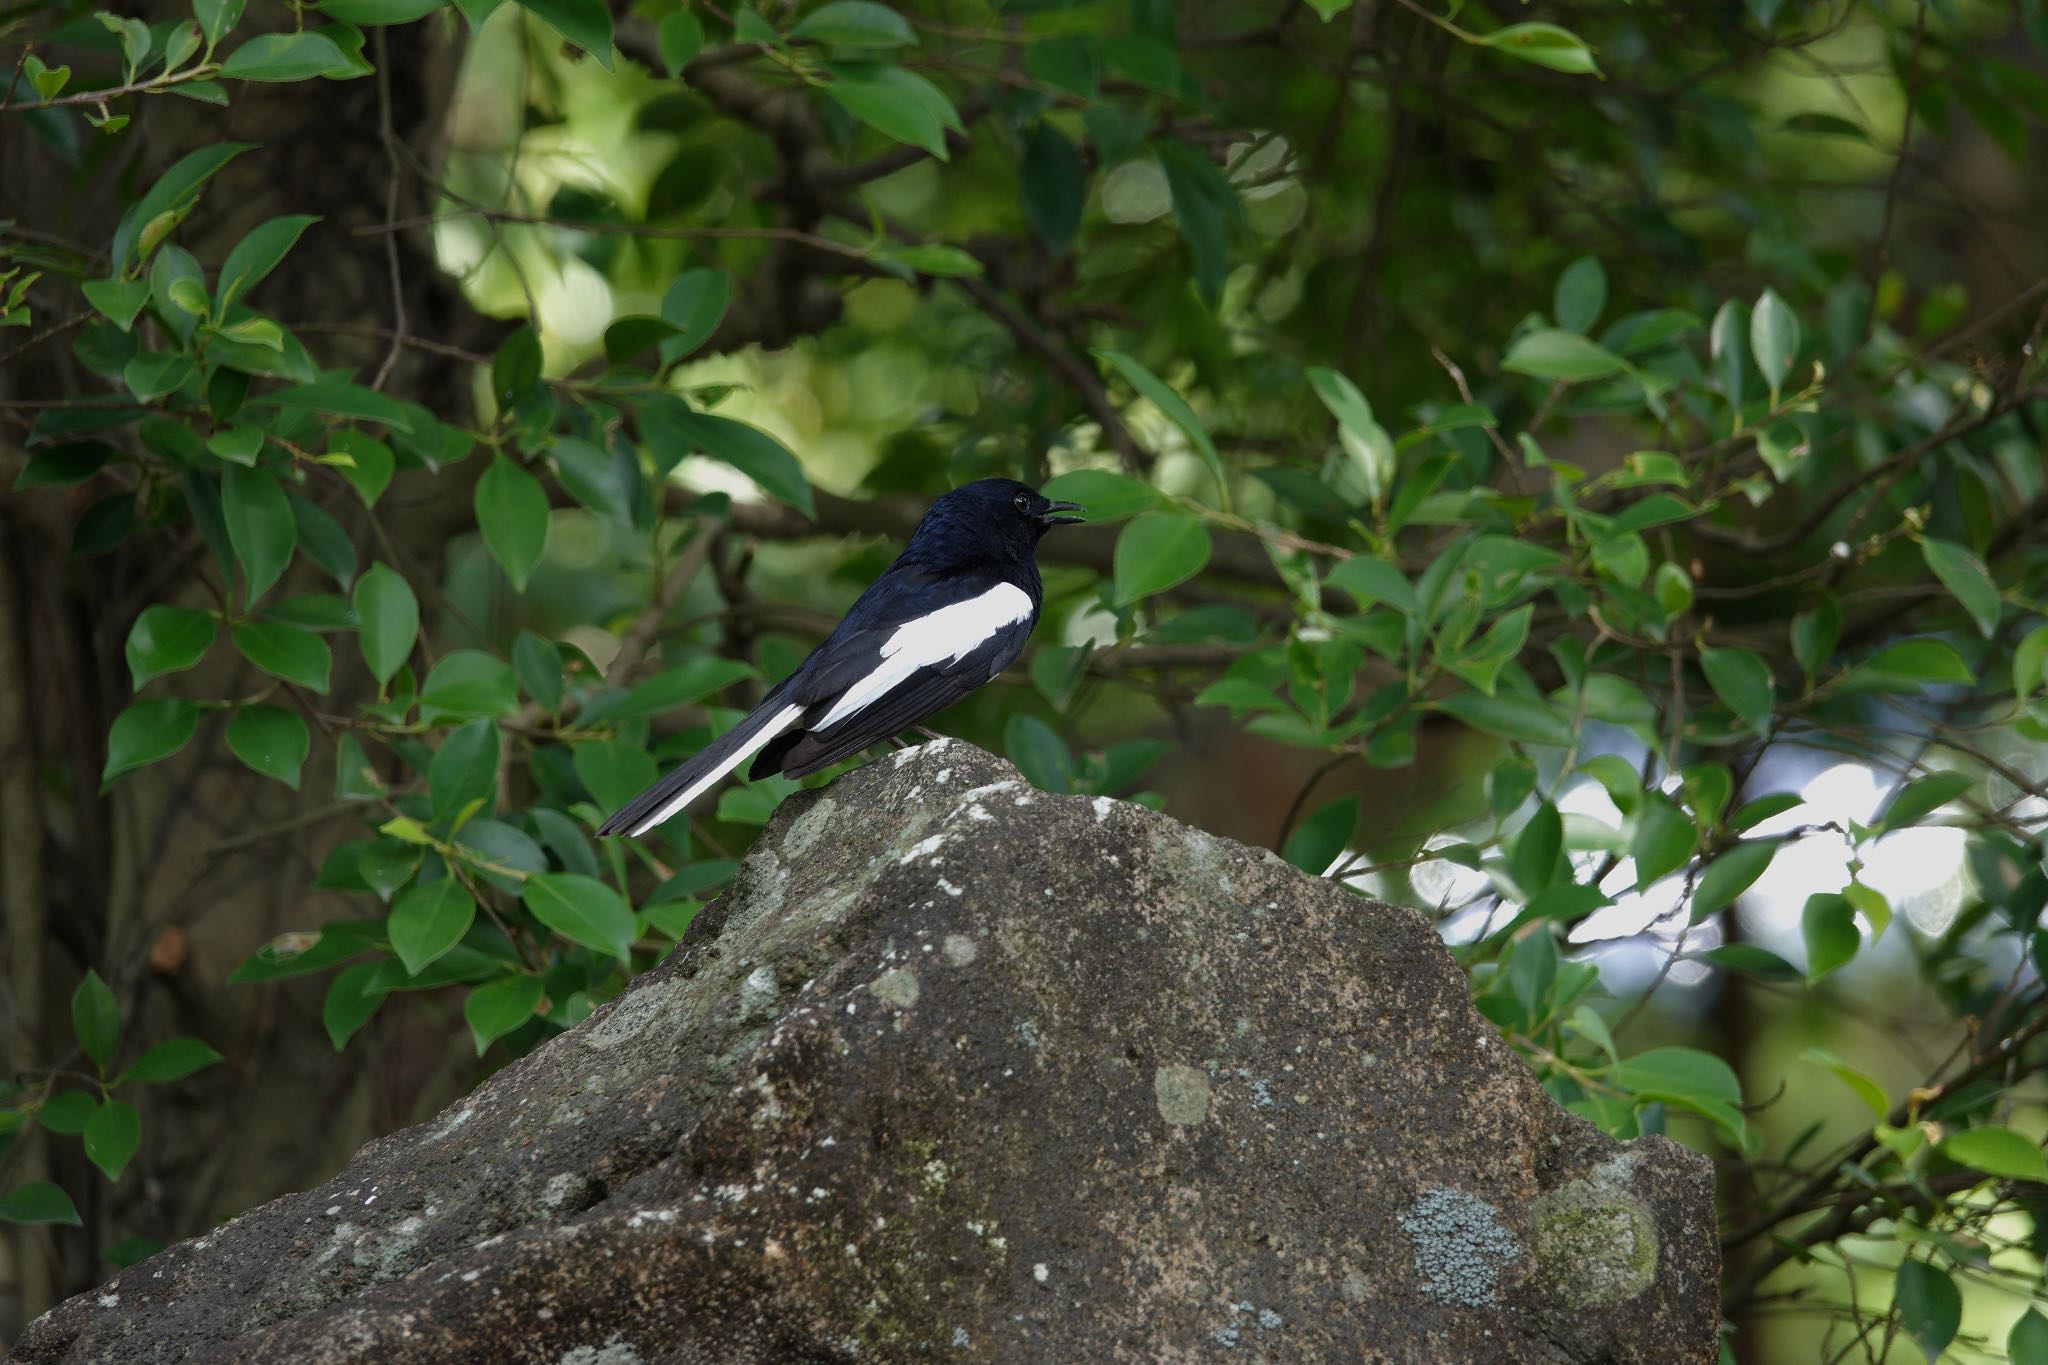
point(776, 724)
point(944, 636)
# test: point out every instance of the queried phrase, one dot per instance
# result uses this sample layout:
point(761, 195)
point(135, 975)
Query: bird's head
point(991, 513)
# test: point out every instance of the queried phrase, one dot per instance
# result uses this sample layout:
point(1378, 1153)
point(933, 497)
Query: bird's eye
point(1022, 502)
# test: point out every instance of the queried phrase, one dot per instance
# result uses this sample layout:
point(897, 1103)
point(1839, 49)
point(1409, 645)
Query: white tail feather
point(781, 721)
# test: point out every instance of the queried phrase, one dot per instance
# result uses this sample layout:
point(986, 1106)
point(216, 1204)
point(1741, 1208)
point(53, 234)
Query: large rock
point(960, 1070)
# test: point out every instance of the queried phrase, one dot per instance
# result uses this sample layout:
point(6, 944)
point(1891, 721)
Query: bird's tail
point(695, 776)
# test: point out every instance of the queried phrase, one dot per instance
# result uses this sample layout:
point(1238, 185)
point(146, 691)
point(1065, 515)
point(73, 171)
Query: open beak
point(1049, 519)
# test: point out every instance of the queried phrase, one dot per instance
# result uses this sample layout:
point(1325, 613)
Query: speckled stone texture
point(960, 1070)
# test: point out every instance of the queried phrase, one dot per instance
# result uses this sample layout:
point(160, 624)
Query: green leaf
point(338, 398)
point(468, 682)
point(1997, 1151)
point(1663, 840)
point(1039, 753)
point(1910, 664)
point(1053, 181)
point(586, 23)
point(1204, 203)
point(284, 57)
point(895, 103)
point(260, 524)
point(1156, 551)
point(464, 770)
point(1929, 1307)
point(111, 1136)
point(497, 1007)
point(1731, 874)
point(512, 514)
point(297, 656)
point(63, 466)
point(1510, 717)
point(1815, 632)
point(515, 369)
point(1580, 296)
point(1742, 680)
point(1683, 1076)
point(1828, 925)
point(1318, 841)
point(855, 23)
point(694, 305)
point(118, 300)
point(67, 1112)
point(1552, 353)
point(615, 770)
point(428, 919)
point(1923, 797)
point(370, 463)
point(2028, 1342)
point(1372, 581)
point(378, 13)
point(147, 732)
point(1750, 960)
point(389, 620)
point(1773, 339)
point(170, 1061)
point(1176, 409)
point(750, 450)
point(96, 1018)
point(271, 740)
point(256, 255)
point(166, 640)
point(1866, 1089)
point(1727, 350)
point(172, 196)
point(679, 38)
point(350, 1002)
point(1545, 45)
point(323, 541)
point(39, 1202)
point(1534, 858)
point(1964, 575)
point(1112, 497)
point(582, 910)
point(1532, 970)
point(538, 666)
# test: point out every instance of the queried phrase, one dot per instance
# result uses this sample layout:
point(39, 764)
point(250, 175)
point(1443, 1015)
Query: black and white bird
point(952, 612)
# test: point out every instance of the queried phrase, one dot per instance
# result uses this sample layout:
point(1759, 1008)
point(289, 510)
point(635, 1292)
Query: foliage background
point(1573, 468)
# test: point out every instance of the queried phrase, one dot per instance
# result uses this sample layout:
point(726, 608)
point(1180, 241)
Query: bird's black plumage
point(952, 612)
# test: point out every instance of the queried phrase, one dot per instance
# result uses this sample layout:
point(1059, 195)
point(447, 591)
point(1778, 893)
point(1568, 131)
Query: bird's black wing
point(927, 691)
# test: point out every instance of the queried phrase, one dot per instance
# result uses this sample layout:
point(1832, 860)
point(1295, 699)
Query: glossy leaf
point(166, 640)
point(495, 1008)
point(512, 514)
point(39, 1202)
point(260, 525)
point(171, 1061)
point(582, 910)
point(1930, 1308)
point(297, 656)
point(1158, 550)
point(1965, 576)
point(389, 620)
point(147, 732)
point(95, 1018)
point(111, 1137)
point(271, 740)
point(427, 919)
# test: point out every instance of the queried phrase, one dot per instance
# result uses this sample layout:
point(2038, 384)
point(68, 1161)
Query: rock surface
point(960, 1070)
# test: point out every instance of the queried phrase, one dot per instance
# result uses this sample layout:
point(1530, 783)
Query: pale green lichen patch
point(1182, 1094)
point(960, 950)
point(896, 986)
point(1595, 1243)
point(1460, 1246)
point(805, 829)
